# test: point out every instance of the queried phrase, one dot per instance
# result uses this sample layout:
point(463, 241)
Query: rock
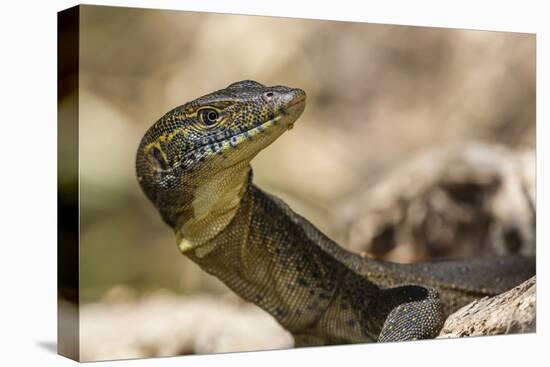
point(164, 324)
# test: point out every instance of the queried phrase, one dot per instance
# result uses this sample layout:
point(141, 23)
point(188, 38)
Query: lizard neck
point(215, 202)
point(268, 257)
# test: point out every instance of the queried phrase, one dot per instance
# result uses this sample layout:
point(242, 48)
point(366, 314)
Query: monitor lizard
point(194, 165)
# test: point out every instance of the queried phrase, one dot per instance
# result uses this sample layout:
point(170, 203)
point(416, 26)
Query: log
point(466, 200)
point(508, 313)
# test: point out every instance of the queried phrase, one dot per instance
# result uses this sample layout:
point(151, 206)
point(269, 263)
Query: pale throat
point(215, 203)
point(216, 200)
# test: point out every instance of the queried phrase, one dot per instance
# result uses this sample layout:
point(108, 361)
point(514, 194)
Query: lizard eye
point(209, 116)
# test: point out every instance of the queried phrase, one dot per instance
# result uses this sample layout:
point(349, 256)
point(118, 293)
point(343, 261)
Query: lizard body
point(193, 164)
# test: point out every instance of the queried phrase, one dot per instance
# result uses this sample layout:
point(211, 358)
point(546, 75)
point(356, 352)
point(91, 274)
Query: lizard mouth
point(232, 142)
point(294, 108)
point(284, 120)
point(299, 98)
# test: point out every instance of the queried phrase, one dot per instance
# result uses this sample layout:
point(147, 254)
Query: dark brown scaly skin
point(194, 166)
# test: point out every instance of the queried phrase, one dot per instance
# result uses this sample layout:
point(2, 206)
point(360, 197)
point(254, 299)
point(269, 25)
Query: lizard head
point(210, 141)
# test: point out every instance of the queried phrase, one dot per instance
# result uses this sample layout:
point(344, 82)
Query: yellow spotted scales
point(194, 165)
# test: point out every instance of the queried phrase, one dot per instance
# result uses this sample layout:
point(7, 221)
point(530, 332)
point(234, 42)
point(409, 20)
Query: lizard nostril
point(268, 95)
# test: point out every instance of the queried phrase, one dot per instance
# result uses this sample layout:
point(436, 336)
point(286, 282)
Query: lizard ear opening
point(156, 159)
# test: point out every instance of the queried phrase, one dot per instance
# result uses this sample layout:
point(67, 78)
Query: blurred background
point(415, 143)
